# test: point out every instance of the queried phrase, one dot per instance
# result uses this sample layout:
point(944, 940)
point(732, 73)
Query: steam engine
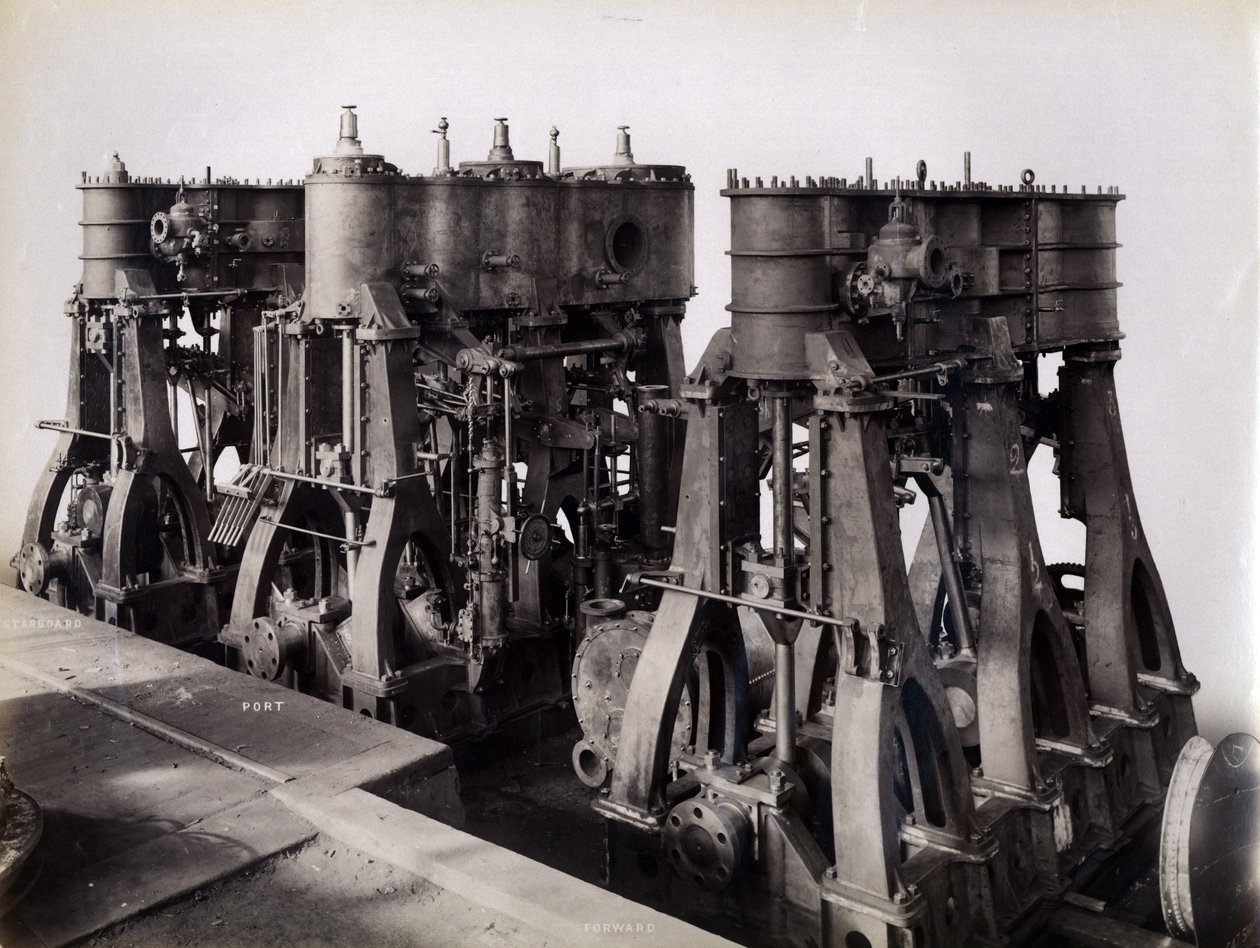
point(947, 744)
point(451, 464)
point(175, 277)
point(474, 480)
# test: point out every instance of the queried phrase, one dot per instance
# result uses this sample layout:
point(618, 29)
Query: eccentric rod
point(622, 342)
point(760, 606)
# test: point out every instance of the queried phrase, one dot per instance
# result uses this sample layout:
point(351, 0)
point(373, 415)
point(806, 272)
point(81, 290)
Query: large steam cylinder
point(115, 227)
point(780, 281)
point(455, 222)
point(349, 238)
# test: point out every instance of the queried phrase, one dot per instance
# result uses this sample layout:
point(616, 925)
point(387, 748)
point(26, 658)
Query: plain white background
point(1158, 98)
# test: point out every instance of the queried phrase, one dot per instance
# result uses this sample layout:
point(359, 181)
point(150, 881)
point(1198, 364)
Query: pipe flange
point(160, 227)
point(704, 842)
point(35, 568)
point(933, 269)
point(270, 647)
point(591, 764)
point(603, 608)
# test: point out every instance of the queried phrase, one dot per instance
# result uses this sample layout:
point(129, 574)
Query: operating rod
point(321, 481)
point(266, 381)
point(54, 426)
point(618, 343)
point(509, 480)
point(207, 454)
point(654, 434)
point(173, 395)
point(350, 544)
point(256, 454)
point(350, 515)
point(780, 611)
point(951, 575)
point(280, 386)
point(936, 368)
point(784, 660)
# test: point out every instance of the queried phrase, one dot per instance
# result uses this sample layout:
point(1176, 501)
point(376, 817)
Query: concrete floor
point(322, 894)
point(180, 809)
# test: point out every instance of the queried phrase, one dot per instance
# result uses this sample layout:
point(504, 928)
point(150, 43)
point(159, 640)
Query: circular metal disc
point(535, 537)
point(1209, 870)
point(22, 827)
point(34, 563)
point(704, 842)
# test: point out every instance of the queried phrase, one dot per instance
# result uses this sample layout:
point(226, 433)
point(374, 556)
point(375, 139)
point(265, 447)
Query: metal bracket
point(868, 653)
point(373, 686)
point(553, 432)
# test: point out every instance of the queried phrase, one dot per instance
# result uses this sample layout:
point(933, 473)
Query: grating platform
point(160, 773)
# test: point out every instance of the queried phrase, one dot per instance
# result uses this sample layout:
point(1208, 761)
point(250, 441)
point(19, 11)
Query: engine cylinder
point(349, 239)
point(115, 223)
point(781, 285)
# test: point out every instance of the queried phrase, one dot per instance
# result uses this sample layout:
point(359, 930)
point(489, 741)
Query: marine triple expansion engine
point(464, 475)
point(953, 749)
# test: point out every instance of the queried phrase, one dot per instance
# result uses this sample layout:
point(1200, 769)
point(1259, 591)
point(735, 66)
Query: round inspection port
point(626, 245)
point(933, 269)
